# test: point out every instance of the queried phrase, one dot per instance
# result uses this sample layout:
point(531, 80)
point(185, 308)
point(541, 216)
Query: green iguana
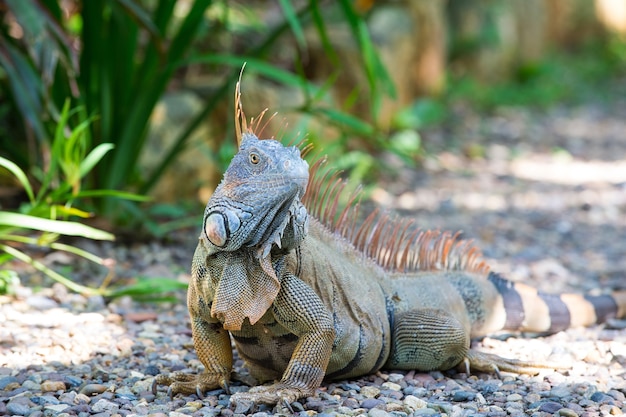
point(307, 295)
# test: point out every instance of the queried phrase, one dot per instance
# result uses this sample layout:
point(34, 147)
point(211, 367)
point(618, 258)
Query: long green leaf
point(20, 175)
point(94, 157)
point(51, 273)
point(57, 246)
point(292, 18)
point(346, 120)
point(25, 85)
point(255, 65)
point(318, 20)
point(53, 226)
point(149, 288)
point(113, 193)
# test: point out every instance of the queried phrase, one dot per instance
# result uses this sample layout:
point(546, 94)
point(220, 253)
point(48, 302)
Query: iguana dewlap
point(305, 295)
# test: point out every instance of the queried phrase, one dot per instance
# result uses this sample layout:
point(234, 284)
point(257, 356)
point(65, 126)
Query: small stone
point(560, 392)
point(369, 391)
point(152, 370)
point(601, 398)
point(550, 407)
point(463, 396)
point(57, 408)
point(73, 381)
point(396, 378)
point(52, 386)
point(415, 391)
point(532, 397)
point(424, 412)
point(92, 389)
point(567, 412)
point(371, 403)
point(413, 403)
point(15, 408)
point(31, 385)
point(104, 405)
point(81, 399)
point(147, 395)
point(618, 395)
point(9, 381)
point(377, 412)
point(391, 386)
point(178, 414)
point(41, 302)
point(350, 403)
point(395, 407)
point(514, 397)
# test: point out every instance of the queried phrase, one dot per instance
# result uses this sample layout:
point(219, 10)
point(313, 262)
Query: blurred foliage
point(50, 210)
point(112, 60)
point(130, 51)
point(564, 77)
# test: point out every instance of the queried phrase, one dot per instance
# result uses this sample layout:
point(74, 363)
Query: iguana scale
point(306, 294)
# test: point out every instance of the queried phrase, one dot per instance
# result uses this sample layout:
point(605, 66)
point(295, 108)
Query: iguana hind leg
point(433, 339)
point(427, 339)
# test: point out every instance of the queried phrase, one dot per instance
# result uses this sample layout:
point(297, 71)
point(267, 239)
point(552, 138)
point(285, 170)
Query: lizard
point(307, 295)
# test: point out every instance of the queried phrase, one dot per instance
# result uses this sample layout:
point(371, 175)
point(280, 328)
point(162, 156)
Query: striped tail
point(528, 309)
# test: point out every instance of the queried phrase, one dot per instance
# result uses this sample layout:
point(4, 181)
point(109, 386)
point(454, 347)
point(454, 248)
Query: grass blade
point(53, 226)
point(94, 157)
point(20, 175)
point(17, 254)
point(113, 193)
point(292, 18)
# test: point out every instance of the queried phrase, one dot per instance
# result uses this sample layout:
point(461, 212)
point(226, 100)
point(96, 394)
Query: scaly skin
point(303, 303)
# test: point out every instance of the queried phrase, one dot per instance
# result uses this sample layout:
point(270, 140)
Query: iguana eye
point(254, 158)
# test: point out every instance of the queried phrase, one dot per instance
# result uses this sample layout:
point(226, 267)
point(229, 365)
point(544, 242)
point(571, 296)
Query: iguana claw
point(182, 383)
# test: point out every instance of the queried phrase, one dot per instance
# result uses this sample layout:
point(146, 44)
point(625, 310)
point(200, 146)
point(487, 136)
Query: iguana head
point(257, 204)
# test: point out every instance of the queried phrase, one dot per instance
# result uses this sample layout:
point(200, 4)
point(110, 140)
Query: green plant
point(130, 52)
point(50, 210)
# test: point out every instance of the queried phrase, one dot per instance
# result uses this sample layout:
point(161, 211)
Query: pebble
point(18, 409)
point(424, 412)
point(377, 412)
point(371, 403)
point(369, 391)
point(104, 405)
point(414, 403)
point(48, 386)
point(463, 396)
point(514, 397)
point(567, 412)
point(92, 389)
point(550, 407)
point(391, 386)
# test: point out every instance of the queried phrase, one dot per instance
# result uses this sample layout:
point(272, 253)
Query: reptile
point(307, 295)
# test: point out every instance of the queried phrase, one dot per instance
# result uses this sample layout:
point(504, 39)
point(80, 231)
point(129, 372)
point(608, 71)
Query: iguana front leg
point(210, 339)
point(212, 344)
point(299, 309)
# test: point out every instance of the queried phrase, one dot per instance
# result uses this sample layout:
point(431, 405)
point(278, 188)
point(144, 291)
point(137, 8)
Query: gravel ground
point(544, 195)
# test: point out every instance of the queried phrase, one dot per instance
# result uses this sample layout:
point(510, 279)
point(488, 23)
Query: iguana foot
point(182, 383)
point(488, 362)
point(272, 394)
